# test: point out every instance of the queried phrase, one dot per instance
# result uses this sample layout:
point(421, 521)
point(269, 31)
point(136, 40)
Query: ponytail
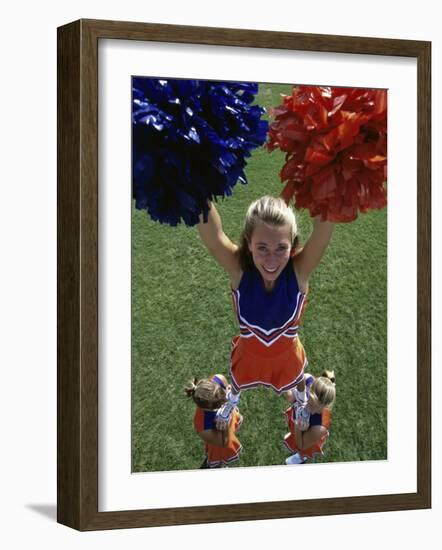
point(324, 389)
point(330, 374)
point(191, 387)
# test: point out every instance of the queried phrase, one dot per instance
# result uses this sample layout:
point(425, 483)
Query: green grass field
point(183, 322)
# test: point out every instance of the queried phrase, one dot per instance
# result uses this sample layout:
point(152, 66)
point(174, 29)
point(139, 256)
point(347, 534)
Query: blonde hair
point(323, 389)
point(206, 393)
point(272, 211)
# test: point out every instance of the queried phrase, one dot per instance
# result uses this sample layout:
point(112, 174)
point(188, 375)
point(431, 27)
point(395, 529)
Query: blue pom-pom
point(191, 139)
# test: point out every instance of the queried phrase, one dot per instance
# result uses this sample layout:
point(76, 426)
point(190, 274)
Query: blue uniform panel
point(316, 420)
point(269, 315)
point(209, 420)
point(268, 310)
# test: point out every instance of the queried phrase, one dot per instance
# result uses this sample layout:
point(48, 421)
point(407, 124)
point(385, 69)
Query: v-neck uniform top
point(268, 352)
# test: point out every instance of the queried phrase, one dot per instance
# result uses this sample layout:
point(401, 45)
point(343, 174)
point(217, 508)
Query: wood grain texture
point(68, 276)
point(253, 38)
point(78, 292)
point(89, 275)
point(424, 272)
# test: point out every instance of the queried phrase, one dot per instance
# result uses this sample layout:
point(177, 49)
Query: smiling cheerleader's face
point(270, 248)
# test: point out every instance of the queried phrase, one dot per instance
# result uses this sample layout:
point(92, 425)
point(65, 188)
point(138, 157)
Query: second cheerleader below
point(309, 425)
point(222, 447)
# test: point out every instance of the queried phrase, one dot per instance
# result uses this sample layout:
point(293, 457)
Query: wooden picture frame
point(77, 224)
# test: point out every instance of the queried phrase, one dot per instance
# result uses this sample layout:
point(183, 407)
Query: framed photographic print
point(161, 127)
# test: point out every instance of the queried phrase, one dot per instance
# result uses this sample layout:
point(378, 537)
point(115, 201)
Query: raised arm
point(217, 242)
point(310, 256)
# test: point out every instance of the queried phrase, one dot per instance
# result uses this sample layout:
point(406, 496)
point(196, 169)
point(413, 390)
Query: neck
point(269, 285)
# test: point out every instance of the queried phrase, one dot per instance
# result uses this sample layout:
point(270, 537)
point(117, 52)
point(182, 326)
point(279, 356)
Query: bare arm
point(216, 438)
point(218, 244)
point(310, 256)
point(289, 396)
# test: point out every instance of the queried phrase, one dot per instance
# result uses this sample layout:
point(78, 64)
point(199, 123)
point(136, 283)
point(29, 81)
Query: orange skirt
point(217, 456)
point(279, 366)
point(290, 438)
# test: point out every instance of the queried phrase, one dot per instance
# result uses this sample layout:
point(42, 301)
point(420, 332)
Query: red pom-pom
point(335, 140)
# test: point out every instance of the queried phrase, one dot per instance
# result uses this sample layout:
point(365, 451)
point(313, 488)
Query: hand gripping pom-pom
point(335, 141)
point(224, 413)
point(191, 139)
point(302, 417)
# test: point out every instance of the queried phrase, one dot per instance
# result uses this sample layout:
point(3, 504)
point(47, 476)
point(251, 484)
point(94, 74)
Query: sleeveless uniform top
point(268, 352)
point(269, 316)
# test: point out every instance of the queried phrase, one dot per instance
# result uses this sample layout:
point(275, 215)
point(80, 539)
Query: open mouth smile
point(266, 269)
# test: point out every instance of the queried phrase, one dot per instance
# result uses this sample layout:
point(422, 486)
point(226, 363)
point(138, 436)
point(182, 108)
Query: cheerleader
point(269, 277)
point(222, 447)
point(309, 425)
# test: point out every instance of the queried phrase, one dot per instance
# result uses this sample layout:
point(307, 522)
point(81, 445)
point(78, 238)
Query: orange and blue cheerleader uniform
point(322, 419)
point(268, 351)
point(218, 456)
point(204, 419)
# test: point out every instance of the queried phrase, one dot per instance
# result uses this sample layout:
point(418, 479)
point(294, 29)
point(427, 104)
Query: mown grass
point(183, 322)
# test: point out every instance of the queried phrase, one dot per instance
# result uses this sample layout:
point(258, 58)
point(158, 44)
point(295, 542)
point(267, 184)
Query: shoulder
point(204, 419)
point(198, 419)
